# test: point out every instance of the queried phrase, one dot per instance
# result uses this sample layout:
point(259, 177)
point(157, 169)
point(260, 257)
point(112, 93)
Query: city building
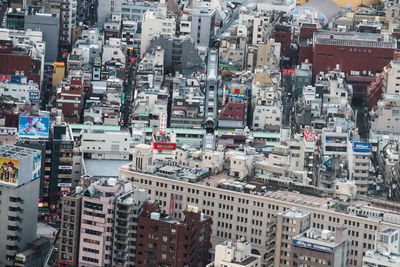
point(70, 228)
point(235, 254)
point(324, 247)
point(164, 239)
point(49, 24)
point(70, 96)
point(97, 222)
point(156, 22)
point(19, 187)
point(289, 224)
point(25, 57)
point(68, 24)
point(105, 8)
point(386, 251)
point(18, 87)
point(359, 155)
point(180, 54)
point(373, 51)
point(128, 208)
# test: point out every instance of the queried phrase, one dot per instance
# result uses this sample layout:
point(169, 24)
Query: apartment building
point(97, 222)
point(289, 224)
point(70, 228)
point(239, 212)
point(165, 240)
point(128, 207)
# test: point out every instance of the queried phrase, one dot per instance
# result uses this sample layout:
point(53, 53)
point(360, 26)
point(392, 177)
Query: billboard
point(9, 171)
point(37, 164)
point(33, 127)
point(15, 79)
point(313, 246)
point(361, 147)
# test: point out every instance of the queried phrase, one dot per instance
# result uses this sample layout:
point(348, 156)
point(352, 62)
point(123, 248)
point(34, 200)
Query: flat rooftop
point(16, 152)
point(104, 168)
point(375, 40)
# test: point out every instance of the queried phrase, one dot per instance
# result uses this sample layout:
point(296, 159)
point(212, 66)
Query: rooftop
point(373, 40)
point(103, 168)
point(16, 152)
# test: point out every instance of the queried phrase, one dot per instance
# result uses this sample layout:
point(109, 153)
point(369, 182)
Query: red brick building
point(282, 34)
point(233, 115)
point(306, 42)
point(166, 241)
point(70, 96)
point(362, 52)
point(17, 59)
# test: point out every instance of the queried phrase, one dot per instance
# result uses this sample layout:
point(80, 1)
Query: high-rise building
point(289, 224)
point(128, 207)
point(97, 222)
point(163, 240)
point(211, 93)
point(70, 228)
point(19, 194)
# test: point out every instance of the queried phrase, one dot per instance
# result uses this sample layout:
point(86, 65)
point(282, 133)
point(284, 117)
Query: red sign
point(171, 206)
point(309, 135)
point(164, 146)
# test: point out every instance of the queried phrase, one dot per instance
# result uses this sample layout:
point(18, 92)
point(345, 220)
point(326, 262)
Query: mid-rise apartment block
point(165, 240)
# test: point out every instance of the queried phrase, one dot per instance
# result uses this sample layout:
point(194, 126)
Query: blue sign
point(16, 79)
point(34, 96)
point(313, 246)
point(361, 147)
point(33, 127)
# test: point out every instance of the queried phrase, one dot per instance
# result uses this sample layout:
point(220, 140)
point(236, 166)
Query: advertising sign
point(361, 147)
point(15, 79)
point(304, 244)
point(309, 134)
point(34, 96)
point(9, 171)
point(33, 127)
point(163, 123)
point(37, 164)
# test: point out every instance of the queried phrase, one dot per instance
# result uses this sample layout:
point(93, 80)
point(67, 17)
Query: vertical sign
point(163, 123)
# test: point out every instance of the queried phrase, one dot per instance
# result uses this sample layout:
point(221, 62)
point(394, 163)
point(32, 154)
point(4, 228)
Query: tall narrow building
point(19, 194)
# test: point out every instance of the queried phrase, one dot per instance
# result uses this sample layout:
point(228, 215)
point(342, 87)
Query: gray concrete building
point(180, 54)
point(202, 26)
point(49, 24)
point(127, 209)
point(19, 195)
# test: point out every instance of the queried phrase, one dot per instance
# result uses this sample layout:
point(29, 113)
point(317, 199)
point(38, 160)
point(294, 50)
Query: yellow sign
point(9, 171)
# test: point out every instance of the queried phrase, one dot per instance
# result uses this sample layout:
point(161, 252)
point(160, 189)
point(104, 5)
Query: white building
point(387, 114)
point(359, 164)
point(156, 22)
point(23, 90)
point(386, 252)
point(100, 144)
point(114, 50)
point(235, 254)
point(273, 5)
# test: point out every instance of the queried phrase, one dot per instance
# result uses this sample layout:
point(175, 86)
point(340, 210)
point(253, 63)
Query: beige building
point(156, 22)
point(290, 223)
point(235, 254)
point(386, 116)
point(359, 165)
point(236, 214)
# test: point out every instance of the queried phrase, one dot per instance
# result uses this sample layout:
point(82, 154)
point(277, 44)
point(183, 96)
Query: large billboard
point(33, 127)
point(9, 171)
point(37, 164)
